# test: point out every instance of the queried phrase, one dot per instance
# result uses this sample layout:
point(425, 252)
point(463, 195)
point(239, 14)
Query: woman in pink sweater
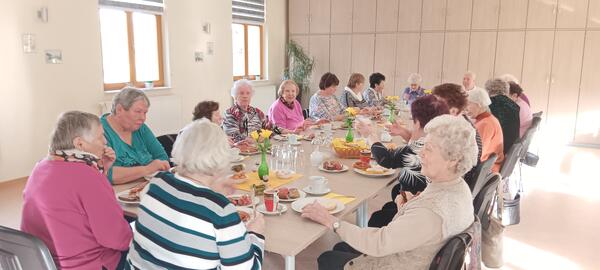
point(68, 202)
point(286, 111)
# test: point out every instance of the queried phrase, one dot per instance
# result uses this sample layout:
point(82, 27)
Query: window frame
point(262, 60)
point(132, 73)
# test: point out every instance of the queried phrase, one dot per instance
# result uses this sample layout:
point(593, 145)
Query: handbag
point(492, 235)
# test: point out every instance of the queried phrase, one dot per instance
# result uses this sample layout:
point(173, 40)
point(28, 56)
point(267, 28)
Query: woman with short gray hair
point(487, 126)
point(69, 204)
point(505, 110)
point(187, 222)
point(241, 119)
point(424, 221)
point(138, 151)
point(415, 90)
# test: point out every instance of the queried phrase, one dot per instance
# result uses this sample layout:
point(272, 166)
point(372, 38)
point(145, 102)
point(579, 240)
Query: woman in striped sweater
point(184, 222)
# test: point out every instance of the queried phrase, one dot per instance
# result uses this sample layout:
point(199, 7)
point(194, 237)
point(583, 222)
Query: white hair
point(71, 125)
point(456, 139)
point(126, 97)
point(509, 78)
point(471, 74)
point(480, 97)
point(239, 84)
point(414, 78)
point(202, 148)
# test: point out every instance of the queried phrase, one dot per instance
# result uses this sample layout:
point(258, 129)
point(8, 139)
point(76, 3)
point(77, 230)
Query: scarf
point(357, 97)
point(289, 105)
point(75, 155)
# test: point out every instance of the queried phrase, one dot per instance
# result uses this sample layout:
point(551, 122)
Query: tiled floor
point(560, 216)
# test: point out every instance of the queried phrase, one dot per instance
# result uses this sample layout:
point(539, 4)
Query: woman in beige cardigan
point(424, 222)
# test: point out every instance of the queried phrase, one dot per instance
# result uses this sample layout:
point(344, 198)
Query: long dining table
point(289, 234)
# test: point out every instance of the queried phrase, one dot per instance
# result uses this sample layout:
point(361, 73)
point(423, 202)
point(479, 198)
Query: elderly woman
point(323, 104)
point(525, 116)
point(241, 119)
point(185, 222)
point(425, 222)
point(511, 78)
point(209, 110)
point(374, 94)
point(487, 126)
point(352, 95)
point(505, 110)
point(138, 151)
point(286, 112)
point(415, 90)
point(410, 178)
point(69, 204)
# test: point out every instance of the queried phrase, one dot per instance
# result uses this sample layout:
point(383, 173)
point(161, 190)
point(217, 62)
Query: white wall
point(33, 93)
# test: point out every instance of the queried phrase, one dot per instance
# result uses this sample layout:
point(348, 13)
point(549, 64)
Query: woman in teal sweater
point(138, 151)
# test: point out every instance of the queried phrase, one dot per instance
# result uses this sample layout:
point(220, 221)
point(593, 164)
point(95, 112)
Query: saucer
point(281, 208)
point(309, 190)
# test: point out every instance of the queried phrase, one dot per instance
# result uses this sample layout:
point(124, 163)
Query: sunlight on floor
point(521, 256)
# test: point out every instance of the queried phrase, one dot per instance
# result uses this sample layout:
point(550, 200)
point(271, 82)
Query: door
point(319, 17)
point(541, 14)
point(434, 15)
point(485, 14)
point(340, 51)
point(319, 49)
point(456, 57)
point(364, 16)
point(537, 61)
point(572, 14)
point(407, 59)
point(387, 16)
point(482, 53)
point(341, 16)
point(430, 58)
point(458, 15)
point(509, 53)
point(298, 16)
point(363, 54)
point(409, 15)
point(385, 60)
point(513, 14)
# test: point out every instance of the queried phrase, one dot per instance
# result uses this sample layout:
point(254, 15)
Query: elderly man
point(469, 81)
point(138, 151)
point(241, 119)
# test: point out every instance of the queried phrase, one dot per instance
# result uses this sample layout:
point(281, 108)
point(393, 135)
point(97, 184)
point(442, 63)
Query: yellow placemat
point(342, 198)
point(274, 181)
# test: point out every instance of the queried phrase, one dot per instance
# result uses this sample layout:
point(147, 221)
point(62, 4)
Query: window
point(247, 51)
point(132, 52)
point(247, 38)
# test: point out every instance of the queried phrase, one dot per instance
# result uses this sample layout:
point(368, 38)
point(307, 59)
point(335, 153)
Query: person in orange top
point(487, 125)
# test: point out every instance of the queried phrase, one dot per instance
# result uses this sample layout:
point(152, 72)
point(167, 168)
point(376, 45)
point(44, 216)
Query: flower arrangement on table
point(351, 113)
point(262, 141)
point(428, 91)
point(390, 104)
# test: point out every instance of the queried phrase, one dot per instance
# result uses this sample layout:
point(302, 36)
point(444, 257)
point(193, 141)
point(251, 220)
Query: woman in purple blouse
point(286, 111)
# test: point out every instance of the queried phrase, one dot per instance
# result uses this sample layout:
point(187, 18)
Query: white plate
point(280, 207)
point(302, 195)
point(365, 173)
point(126, 192)
point(299, 204)
point(256, 199)
point(344, 168)
point(308, 190)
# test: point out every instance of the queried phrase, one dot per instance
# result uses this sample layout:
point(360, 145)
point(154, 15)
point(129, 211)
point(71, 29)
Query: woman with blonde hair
point(286, 111)
point(352, 95)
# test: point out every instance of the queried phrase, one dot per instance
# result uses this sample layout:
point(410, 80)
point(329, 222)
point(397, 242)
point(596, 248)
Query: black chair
point(510, 159)
point(528, 136)
point(167, 142)
point(485, 198)
point(452, 255)
point(306, 113)
point(22, 251)
point(482, 171)
point(538, 114)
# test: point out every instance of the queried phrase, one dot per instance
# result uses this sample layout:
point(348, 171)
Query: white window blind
point(248, 11)
point(148, 6)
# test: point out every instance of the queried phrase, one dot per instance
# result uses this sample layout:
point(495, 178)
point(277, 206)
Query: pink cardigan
point(284, 117)
point(72, 208)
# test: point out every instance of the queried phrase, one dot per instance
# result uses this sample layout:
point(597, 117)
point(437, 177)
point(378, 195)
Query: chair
point(452, 254)
point(22, 251)
point(538, 114)
point(482, 171)
point(306, 113)
point(510, 159)
point(484, 199)
point(167, 142)
point(528, 136)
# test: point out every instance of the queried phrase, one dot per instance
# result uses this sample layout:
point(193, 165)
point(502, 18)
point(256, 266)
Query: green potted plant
point(300, 67)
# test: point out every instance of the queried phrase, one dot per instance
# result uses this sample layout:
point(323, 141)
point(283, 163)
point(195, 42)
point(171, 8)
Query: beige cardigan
point(416, 233)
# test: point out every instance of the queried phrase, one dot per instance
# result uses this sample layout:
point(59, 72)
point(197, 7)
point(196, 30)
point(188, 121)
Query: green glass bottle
point(263, 169)
point(349, 135)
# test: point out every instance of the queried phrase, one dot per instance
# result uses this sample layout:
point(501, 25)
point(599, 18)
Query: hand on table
point(317, 213)
point(158, 165)
point(256, 224)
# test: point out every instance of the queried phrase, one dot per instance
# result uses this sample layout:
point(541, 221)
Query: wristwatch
point(335, 225)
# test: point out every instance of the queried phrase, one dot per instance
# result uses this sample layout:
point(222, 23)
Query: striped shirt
point(238, 123)
point(184, 225)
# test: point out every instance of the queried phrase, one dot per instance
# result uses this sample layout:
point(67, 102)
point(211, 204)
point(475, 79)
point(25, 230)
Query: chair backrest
point(452, 254)
point(22, 251)
point(482, 172)
point(167, 142)
point(483, 200)
point(528, 136)
point(538, 114)
point(306, 113)
point(511, 158)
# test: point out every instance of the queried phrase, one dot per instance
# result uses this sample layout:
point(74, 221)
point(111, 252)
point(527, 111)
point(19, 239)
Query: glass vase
point(263, 169)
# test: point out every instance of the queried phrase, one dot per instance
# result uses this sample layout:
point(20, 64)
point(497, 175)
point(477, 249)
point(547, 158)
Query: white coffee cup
point(293, 139)
point(318, 184)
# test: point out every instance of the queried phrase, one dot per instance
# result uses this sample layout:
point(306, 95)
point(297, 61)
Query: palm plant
point(300, 67)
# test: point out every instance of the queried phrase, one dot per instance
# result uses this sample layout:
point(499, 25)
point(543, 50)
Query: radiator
point(164, 115)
